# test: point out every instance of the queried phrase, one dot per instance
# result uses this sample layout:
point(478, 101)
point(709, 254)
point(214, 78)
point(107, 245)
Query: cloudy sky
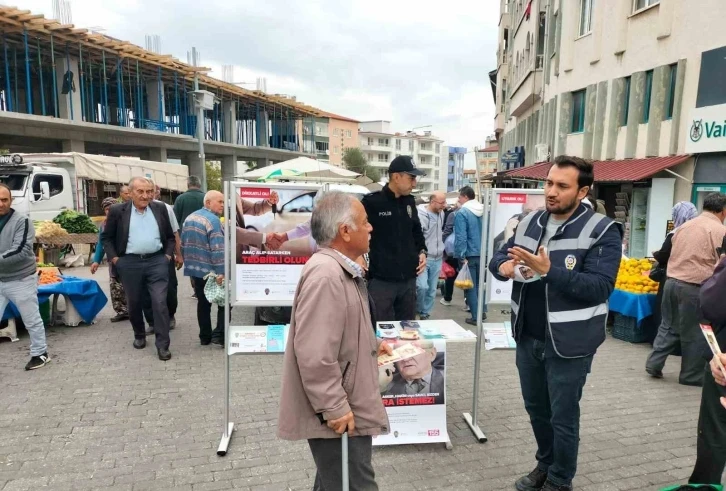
point(413, 63)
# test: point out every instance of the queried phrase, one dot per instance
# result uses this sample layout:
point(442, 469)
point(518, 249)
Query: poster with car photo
point(509, 206)
point(272, 240)
point(414, 395)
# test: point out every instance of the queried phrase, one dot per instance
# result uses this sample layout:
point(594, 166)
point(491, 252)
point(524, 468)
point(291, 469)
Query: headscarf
point(682, 212)
point(108, 202)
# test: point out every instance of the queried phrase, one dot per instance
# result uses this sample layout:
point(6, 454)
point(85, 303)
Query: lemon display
point(632, 277)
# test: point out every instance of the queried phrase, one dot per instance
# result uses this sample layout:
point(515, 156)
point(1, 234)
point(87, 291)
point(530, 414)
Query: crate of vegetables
point(628, 329)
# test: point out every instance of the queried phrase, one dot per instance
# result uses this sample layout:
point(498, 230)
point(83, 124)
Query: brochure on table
point(257, 339)
point(508, 207)
point(498, 336)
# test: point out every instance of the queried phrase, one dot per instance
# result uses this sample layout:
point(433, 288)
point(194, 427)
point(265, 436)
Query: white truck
point(43, 185)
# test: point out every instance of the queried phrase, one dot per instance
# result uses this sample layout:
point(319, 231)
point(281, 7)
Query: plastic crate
point(627, 329)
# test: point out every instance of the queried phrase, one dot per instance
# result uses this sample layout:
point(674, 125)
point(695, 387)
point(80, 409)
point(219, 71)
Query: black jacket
point(713, 307)
point(397, 238)
point(115, 235)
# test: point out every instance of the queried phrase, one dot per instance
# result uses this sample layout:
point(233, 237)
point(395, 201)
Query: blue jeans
point(472, 294)
point(552, 388)
point(426, 284)
point(24, 295)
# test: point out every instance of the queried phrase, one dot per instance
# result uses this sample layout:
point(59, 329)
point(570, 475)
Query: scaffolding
point(56, 70)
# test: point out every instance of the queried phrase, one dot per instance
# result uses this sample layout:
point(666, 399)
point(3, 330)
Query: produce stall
point(83, 298)
point(56, 238)
point(633, 300)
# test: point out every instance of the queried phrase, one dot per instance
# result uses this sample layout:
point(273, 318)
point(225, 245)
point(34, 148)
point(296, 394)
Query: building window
point(648, 93)
point(370, 142)
point(626, 103)
point(336, 149)
point(436, 175)
point(671, 99)
point(437, 161)
point(398, 144)
point(382, 157)
point(586, 16)
point(335, 131)
point(641, 4)
point(349, 133)
point(383, 142)
point(322, 147)
point(410, 145)
point(578, 112)
point(438, 148)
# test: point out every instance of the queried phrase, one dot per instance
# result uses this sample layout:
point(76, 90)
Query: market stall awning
point(605, 170)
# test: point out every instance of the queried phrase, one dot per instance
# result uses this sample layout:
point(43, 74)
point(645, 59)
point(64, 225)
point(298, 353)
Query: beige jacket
point(330, 365)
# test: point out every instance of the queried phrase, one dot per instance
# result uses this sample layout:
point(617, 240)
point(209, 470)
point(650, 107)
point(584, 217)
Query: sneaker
point(445, 302)
point(119, 317)
point(194, 296)
point(654, 373)
point(423, 317)
point(534, 481)
point(218, 342)
point(38, 361)
point(550, 486)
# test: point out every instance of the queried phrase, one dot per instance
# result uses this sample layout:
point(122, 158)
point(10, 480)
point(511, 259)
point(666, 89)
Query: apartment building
point(455, 168)
point(487, 158)
point(635, 85)
point(381, 145)
point(332, 134)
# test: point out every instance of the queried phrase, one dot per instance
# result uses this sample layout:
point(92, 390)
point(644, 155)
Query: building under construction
point(67, 89)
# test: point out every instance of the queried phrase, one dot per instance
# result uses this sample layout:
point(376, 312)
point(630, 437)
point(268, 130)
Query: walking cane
point(344, 443)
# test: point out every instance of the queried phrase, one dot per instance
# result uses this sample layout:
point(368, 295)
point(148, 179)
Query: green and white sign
point(707, 130)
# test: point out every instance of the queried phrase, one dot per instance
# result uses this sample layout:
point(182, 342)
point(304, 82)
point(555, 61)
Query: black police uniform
point(396, 243)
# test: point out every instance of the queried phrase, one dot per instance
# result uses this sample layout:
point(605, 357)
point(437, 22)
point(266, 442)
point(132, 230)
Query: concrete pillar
point(157, 155)
point(565, 120)
point(599, 133)
point(658, 95)
point(263, 130)
point(617, 105)
point(70, 102)
point(229, 113)
point(677, 106)
point(636, 105)
point(262, 162)
point(73, 146)
point(155, 100)
point(229, 167)
point(552, 124)
point(589, 131)
point(196, 166)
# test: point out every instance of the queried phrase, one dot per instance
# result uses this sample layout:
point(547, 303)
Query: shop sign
point(707, 130)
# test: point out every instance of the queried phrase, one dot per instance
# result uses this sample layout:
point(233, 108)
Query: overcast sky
point(413, 63)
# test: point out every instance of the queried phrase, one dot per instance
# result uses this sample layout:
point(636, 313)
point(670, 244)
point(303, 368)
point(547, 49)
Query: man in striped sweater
point(203, 250)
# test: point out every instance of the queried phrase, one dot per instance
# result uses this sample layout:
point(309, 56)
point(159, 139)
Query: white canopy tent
point(306, 167)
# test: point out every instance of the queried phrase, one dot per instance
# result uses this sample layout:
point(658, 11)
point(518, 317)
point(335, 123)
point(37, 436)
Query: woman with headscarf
point(682, 212)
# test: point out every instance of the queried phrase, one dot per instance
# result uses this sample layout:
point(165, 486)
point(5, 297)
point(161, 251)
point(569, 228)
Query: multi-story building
point(635, 85)
point(380, 145)
point(455, 168)
point(332, 135)
point(487, 158)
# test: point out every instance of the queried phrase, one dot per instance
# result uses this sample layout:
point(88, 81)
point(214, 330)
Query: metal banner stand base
point(475, 428)
point(224, 443)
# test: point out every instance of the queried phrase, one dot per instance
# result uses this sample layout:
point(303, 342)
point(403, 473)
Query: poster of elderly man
point(413, 391)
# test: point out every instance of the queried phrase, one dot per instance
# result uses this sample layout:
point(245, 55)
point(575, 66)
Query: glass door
point(700, 191)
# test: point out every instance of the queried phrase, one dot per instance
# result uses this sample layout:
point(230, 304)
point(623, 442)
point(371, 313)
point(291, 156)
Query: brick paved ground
point(103, 415)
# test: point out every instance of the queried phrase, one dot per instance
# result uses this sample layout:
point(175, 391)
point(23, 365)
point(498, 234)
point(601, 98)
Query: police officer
point(398, 248)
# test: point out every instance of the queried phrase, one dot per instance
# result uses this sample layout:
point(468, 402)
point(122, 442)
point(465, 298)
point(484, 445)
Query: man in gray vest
point(563, 261)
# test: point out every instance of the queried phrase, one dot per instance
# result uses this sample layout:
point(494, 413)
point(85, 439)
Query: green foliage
point(214, 176)
point(355, 160)
point(75, 223)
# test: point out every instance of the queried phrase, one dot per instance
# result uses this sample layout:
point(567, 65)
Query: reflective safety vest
point(575, 325)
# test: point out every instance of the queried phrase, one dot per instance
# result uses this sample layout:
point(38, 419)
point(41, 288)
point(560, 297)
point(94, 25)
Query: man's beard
point(562, 209)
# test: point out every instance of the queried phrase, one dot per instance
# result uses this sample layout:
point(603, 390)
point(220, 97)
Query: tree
point(355, 160)
point(214, 176)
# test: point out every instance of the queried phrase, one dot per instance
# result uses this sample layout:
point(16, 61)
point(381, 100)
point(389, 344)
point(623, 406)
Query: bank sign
point(707, 130)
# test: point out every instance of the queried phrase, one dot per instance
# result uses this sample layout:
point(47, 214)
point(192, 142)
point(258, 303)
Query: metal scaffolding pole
point(55, 80)
point(160, 94)
point(8, 91)
point(28, 87)
point(105, 88)
point(40, 72)
point(81, 81)
point(70, 84)
point(176, 103)
point(93, 104)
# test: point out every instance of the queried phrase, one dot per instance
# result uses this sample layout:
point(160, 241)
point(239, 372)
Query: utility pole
point(200, 120)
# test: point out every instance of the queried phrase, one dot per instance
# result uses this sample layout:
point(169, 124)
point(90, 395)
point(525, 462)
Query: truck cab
point(40, 191)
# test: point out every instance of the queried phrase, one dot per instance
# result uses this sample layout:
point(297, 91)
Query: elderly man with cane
point(330, 371)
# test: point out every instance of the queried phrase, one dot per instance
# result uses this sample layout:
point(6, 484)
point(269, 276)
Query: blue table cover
point(87, 297)
point(638, 305)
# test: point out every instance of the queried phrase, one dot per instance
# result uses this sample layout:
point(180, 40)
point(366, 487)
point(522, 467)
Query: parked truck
point(43, 185)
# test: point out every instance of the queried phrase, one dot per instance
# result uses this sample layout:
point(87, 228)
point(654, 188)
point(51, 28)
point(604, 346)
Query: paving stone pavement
point(103, 415)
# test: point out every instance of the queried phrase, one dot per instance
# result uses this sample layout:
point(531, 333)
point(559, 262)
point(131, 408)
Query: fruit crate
point(628, 329)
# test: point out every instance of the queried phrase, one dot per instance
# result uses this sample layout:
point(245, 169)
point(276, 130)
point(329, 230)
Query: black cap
point(404, 163)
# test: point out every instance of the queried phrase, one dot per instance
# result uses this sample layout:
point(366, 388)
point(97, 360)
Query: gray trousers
point(149, 274)
point(681, 314)
point(328, 456)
